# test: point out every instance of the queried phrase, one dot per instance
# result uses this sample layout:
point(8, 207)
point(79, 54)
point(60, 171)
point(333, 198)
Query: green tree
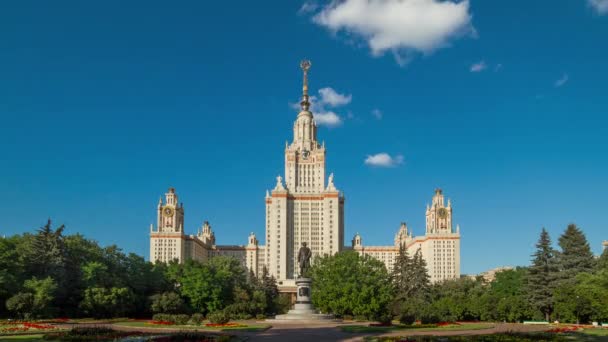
point(46, 255)
point(349, 284)
point(412, 286)
point(269, 288)
point(505, 298)
point(167, 302)
point(21, 304)
point(602, 262)
point(575, 256)
point(43, 291)
point(583, 299)
point(542, 275)
point(112, 302)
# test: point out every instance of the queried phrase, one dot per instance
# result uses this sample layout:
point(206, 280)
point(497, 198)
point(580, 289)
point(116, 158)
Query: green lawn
point(367, 329)
point(36, 337)
point(202, 327)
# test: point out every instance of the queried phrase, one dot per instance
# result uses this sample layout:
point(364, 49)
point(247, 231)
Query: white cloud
point(401, 26)
point(560, 82)
point(332, 98)
point(308, 7)
point(383, 160)
point(600, 6)
point(327, 118)
point(478, 67)
point(321, 107)
point(377, 113)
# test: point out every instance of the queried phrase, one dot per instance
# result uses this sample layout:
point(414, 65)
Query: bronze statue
point(304, 259)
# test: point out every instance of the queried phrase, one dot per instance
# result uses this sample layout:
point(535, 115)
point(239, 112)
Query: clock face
point(305, 154)
point(168, 211)
point(443, 213)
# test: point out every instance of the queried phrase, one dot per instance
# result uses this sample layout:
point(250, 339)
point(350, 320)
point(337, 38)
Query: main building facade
point(303, 207)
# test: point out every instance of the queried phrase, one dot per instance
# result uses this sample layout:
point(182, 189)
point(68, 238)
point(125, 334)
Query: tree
point(43, 291)
point(167, 302)
point(542, 275)
point(46, 255)
point(270, 289)
point(505, 298)
point(411, 282)
point(21, 304)
point(576, 255)
point(349, 284)
point(602, 262)
point(103, 302)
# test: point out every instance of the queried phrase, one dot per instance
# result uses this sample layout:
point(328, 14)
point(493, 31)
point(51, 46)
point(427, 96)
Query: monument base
point(303, 309)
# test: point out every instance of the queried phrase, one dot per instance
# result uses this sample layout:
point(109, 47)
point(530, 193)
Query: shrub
point(197, 318)
point(260, 316)
point(168, 302)
point(219, 317)
point(22, 304)
point(161, 317)
point(180, 319)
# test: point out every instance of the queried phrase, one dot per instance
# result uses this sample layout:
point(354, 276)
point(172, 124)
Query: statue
point(331, 178)
point(304, 259)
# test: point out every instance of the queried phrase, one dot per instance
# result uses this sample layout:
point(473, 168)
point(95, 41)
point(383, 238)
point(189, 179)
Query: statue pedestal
point(303, 309)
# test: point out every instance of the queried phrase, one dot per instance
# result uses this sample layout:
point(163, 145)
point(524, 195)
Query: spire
point(305, 65)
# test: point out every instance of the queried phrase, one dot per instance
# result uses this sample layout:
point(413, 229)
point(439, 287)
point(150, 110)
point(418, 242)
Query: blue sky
point(502, 104)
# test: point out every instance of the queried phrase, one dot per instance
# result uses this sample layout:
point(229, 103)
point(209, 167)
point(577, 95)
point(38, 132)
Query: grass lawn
point(36, 337)
point(370, 329)
point(202, 327)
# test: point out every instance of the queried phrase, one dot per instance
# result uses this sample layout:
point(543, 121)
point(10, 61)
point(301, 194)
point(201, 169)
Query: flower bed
point(445, 324)
point(161, 323)
point(564, 329)
point(16, 327)
point(224, 325)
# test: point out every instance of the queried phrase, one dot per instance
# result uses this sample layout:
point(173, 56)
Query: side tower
point(441, 246)
point(167, 242)
point(304, 208)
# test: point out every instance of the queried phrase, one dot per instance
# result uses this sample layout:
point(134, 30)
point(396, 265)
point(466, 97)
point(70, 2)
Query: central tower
point(304, 209)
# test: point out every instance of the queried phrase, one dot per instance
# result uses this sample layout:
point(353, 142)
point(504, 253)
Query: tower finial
point(305, 65)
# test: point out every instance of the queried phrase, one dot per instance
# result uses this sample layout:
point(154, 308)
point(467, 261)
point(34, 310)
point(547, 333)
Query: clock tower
point(439, 216)
point(167, 242)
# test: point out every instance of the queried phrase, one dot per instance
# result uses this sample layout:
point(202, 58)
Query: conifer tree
point(402, 274)
point(420, 275)
point(576, 255)
point(542, 274)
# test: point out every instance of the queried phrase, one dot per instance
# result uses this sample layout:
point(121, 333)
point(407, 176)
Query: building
point(304, 207)
point(604, 245)
point(168, 241)
point(440, 246)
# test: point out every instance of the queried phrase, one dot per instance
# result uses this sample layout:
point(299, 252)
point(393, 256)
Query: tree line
point(567, 284)
point(49, 274)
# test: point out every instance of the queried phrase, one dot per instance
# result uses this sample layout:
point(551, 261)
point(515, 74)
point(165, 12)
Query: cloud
point(383, 160)
point(478, 67)
point(328, 118)
point(321, 106)
point(377, 113)
point(400, 26)
point(600, 6)
point(308, 7)
point(332, 98)
point(560, 82)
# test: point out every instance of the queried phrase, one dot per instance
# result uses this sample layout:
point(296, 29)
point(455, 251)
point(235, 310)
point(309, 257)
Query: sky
point(503, 105)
